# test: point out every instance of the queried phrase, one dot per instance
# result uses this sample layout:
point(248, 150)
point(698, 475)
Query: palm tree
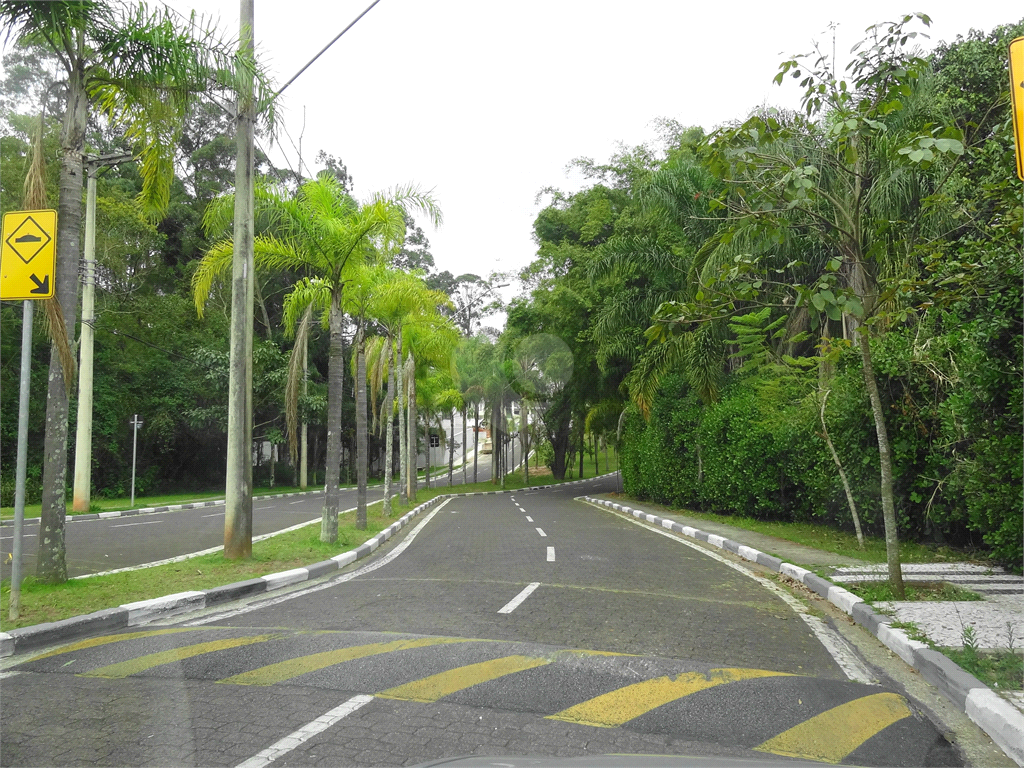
point(323, 232)
point(397, 300)
point(142, 70)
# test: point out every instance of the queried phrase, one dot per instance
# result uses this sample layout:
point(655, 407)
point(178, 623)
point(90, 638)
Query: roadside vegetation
point(804, 317)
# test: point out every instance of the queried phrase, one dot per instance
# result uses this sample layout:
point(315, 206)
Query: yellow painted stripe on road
point(92, 642)
point(612, 709)
point(440, 685)
point(834, 734)
point(285, 670)
point(142, 663)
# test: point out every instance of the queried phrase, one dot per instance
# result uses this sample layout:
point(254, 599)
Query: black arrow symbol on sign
point(41, 287)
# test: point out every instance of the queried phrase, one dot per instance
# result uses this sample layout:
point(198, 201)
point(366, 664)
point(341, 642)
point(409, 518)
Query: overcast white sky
point(486, 102)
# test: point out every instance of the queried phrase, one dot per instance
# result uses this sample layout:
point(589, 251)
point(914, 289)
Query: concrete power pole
point(83, 434)
point(238, 482)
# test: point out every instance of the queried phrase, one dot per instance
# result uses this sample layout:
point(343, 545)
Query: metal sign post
point(136, 422)
point(28, 249)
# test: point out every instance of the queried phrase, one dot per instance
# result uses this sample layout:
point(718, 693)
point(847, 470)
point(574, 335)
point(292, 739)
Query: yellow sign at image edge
point(28, 255)
point(1017, 99)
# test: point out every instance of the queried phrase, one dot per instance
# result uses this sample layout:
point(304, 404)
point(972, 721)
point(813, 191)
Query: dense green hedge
point(954, 415)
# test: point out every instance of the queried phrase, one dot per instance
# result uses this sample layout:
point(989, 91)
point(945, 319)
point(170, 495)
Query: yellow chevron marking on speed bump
point(285, 670)
point(837, 732)
point(612, 709)
point(437, 686)
point(92, 642)
point(142, 663)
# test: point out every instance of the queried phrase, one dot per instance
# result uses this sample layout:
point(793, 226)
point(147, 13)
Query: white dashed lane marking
point(541, 532)
point(530, 519)
point(516, 601)
point(551, 554)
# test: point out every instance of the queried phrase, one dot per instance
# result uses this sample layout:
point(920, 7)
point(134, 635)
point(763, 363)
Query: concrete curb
point(159, 510)
point(998, 718)
point(144, 611)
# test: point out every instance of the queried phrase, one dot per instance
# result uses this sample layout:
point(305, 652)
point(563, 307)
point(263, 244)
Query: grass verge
point(881, 591)
point(836, 541)
point(295, 549)
point(1000, 669)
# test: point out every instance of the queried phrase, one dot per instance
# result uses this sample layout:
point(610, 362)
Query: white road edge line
point(834, 643)
point(551, 554)
point(516, 601)
point(129, 525)
point(211, 550)
point(541, 532)
point(327, 584)
point(305, 733)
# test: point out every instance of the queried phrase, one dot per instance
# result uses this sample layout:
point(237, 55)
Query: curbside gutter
point(997, 717)
point(145, 611)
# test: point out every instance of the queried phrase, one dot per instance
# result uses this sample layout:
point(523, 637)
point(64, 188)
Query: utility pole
point(136, 422)
point(238, 481)
point(83, 434)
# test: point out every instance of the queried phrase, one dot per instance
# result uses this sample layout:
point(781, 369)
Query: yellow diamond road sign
point(1017, 99)
point(28, 254)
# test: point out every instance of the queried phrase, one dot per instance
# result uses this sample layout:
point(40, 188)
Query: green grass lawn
point(295, 549)
point(840, 542)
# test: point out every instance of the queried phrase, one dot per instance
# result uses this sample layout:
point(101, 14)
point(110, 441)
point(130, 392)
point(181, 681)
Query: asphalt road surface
point(514, 624)
point(95, 545)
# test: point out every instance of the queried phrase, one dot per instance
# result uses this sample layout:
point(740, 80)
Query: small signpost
point(1017, 99)
point(28, 254)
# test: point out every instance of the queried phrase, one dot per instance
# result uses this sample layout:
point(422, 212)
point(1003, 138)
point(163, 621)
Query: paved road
point(118, 542)
point(511, 624)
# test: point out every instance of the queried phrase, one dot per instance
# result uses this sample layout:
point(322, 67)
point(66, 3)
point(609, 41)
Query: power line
point(324, 49)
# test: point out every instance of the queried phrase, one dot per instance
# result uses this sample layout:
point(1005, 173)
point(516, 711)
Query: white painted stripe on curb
point(896, 640)
point(305, 733)
point(516, 601)
point(794, 571)
point(748, 553)
point(345, 559)
point(691, 532)
point(716, 541)
point(843, 598)
point(541, 532)
point(999, 719)
point(666, 524)
point(105, 515)
point(284, 578)
point(145, 610)
point(551, 554)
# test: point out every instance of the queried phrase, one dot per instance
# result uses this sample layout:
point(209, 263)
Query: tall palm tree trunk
point(403, 453)
point(361, 429)
point(465, 445)
point(413, 480)
point(389, 429)
point(451, 447)
point(51, 563)
point(476, 438)
point(335, 388)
